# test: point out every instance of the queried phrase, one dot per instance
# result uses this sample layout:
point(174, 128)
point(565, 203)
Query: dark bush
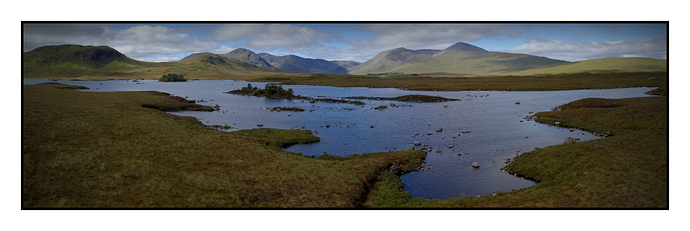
point(172, 78)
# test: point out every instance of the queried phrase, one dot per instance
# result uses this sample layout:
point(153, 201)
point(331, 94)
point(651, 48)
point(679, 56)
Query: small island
point(285, 109)
point(380, 107)
point(276, 91)
point(408, 98)
point(172, 78)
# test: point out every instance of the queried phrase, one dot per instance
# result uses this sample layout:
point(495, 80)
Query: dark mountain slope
point(247, 56)
point(304, 65)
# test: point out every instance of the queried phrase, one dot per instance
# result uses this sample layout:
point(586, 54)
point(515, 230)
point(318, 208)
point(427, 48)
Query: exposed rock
point(416, 133)
point(439, 129)
point(417, 143)
point(518, 102)
point(571, 140)
point(260, 125)
point(475, 165)
point(450, 146)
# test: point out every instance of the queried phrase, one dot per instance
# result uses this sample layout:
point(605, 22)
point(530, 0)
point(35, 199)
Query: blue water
point(493, 117)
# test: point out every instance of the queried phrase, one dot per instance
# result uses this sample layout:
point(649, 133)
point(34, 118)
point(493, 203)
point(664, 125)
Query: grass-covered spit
point(407, 98)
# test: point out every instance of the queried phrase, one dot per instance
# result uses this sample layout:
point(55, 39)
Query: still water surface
point(498, 130)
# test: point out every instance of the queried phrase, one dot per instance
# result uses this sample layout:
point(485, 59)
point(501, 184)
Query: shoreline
point(578, 81)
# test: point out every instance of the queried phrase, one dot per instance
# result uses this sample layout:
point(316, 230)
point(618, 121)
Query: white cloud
point(138, 42)
point(36, 35)
point(575, 51)
point(272, 36)
point(429, 36)
point(143, 41)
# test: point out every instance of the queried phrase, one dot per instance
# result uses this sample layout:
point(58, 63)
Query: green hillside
point(247, 56)
point(76, 61)
point(600, 65)
point(389, 60)
point(458, 59)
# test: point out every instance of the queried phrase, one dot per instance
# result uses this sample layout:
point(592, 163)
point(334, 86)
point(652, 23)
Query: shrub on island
point(172, 78)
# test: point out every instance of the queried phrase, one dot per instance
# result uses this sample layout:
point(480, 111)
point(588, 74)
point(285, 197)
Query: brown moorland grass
point(105, 150)
point(490, 83)
point(625, 170)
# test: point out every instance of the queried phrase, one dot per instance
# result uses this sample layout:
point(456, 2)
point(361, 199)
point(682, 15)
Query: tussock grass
point(104, 150)
point(626, 170)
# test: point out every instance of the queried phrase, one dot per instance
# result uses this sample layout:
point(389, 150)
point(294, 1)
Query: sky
point(356, 41)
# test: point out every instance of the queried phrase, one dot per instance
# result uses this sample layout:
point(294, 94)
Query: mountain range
point(291, 63)
point(460, 59)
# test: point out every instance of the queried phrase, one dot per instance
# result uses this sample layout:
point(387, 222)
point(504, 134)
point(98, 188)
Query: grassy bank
point(491, 83)
point(88, 149)
point(626, 169)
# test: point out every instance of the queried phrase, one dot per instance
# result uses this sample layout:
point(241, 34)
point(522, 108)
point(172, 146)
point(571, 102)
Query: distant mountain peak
point(247, 56)
point(240, 50)
point(195, 54)
point(461, 47)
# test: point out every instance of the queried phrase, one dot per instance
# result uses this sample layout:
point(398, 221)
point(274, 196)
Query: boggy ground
point(626, 169)
point(105, 150)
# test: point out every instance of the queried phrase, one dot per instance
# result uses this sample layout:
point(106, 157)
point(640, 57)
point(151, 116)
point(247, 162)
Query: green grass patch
point(407, 98)
point(279, 138)
point(224, 127)
point(175, 103)
point(286, 109)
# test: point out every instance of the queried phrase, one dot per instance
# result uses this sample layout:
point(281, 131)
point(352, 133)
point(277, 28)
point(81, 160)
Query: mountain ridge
point(460, 59)
point(304, 65)
point(78, 60)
